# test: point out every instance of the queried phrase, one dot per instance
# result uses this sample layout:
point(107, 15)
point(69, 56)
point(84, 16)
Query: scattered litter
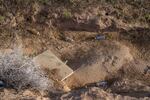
point(100, 37)
point(102, 84)
point(2, 84)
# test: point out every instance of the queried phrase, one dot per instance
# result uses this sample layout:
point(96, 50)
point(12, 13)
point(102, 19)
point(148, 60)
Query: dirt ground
point(71, 28)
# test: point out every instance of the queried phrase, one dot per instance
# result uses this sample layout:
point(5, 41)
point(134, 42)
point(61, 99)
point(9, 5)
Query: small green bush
point(2, 18)
point(67, 14)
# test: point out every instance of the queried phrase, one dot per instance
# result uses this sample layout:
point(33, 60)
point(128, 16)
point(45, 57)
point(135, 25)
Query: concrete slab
point(53, 65)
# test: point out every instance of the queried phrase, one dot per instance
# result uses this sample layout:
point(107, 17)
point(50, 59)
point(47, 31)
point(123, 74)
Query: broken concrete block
point(105, 62)
point(53, 65)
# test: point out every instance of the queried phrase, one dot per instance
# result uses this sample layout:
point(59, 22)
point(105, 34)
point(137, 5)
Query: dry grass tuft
point(20, 72)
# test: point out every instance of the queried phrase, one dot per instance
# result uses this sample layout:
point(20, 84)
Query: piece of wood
point(53, 65)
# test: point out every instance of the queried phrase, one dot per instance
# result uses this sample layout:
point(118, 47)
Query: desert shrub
point(21, 72)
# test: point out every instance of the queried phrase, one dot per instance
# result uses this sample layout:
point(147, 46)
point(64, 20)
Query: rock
point(27, 93)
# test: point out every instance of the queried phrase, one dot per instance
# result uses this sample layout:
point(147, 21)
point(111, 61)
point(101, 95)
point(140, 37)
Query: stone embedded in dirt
point(105, 61)
point(49, 62)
